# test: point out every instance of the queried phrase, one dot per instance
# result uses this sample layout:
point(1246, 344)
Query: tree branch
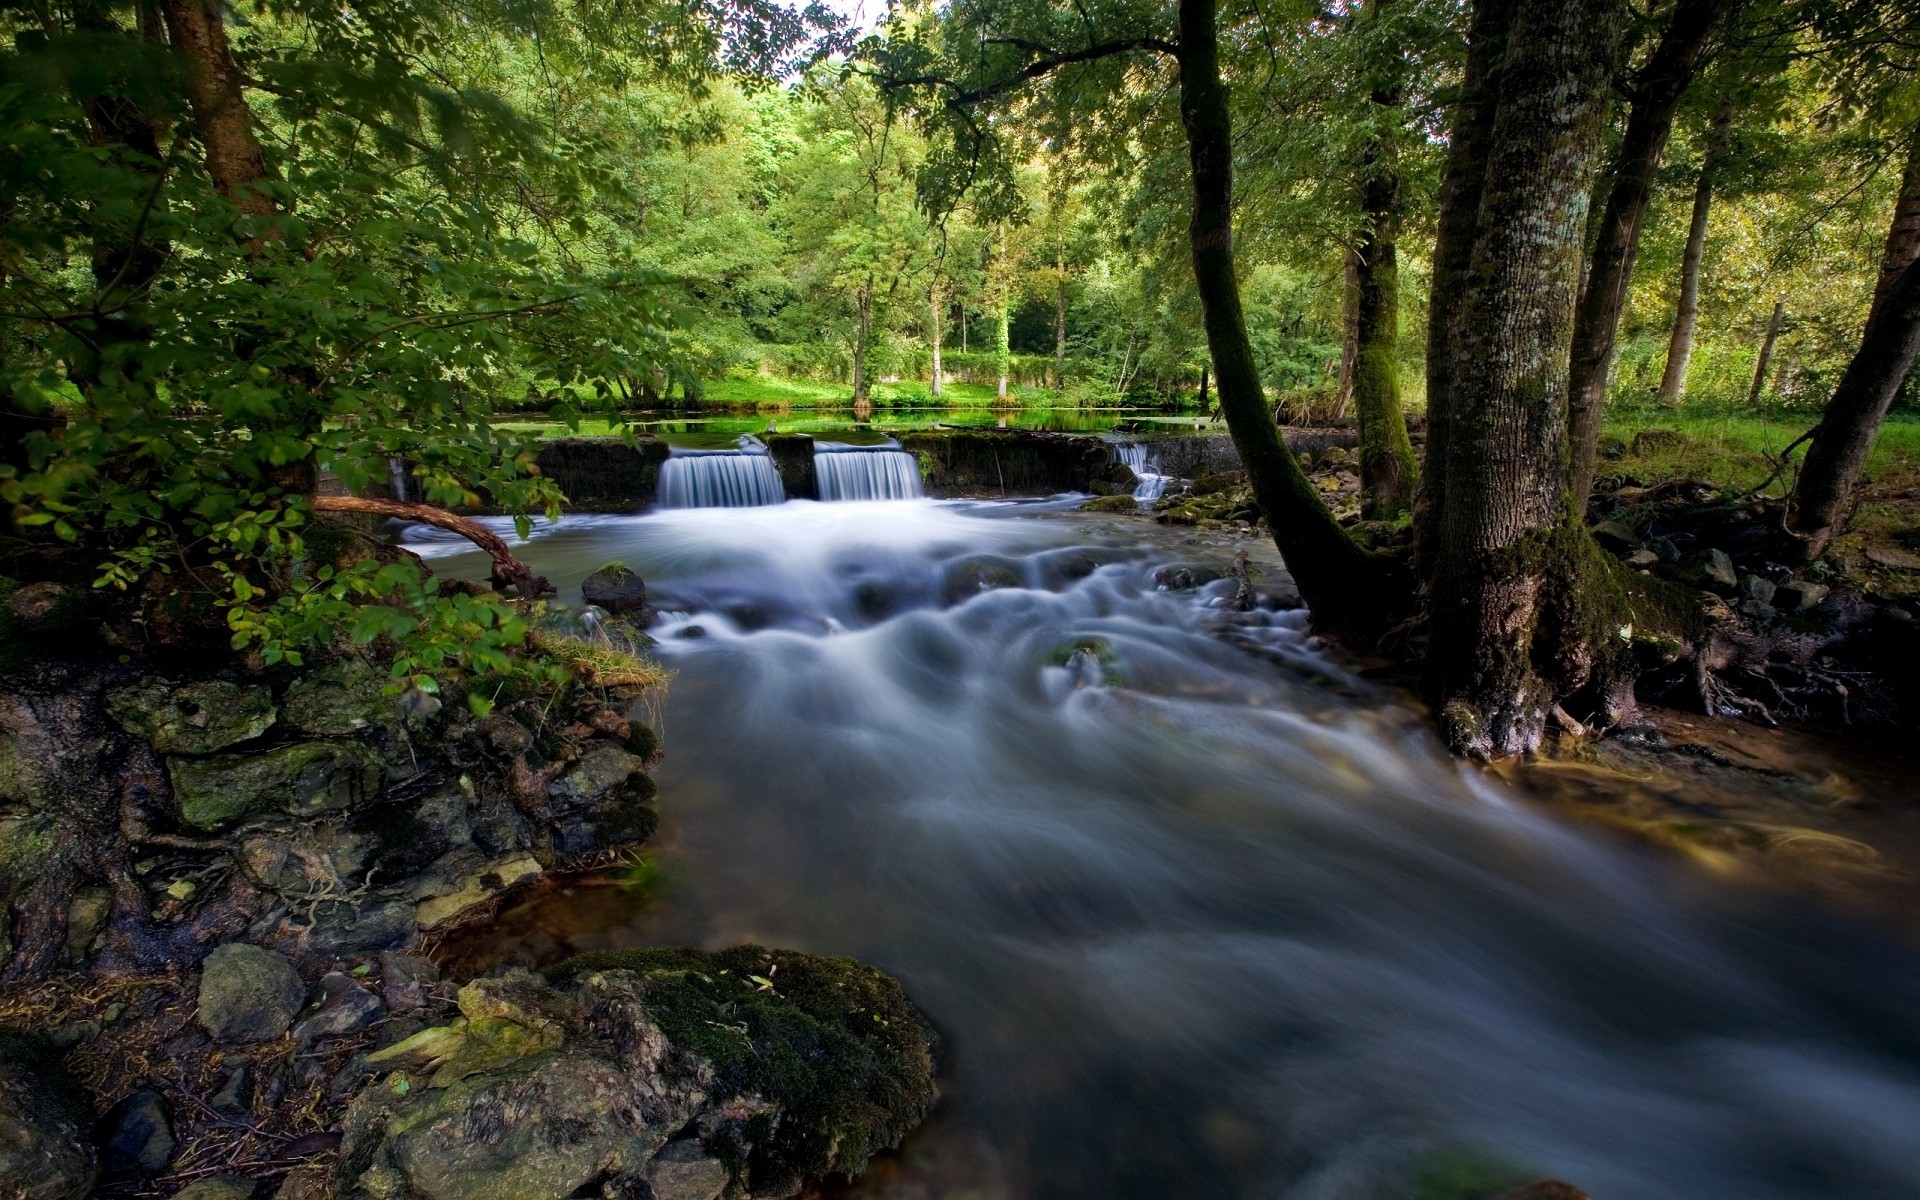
point(507, 570)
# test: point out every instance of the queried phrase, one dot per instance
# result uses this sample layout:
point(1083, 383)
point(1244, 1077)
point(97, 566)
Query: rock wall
point(1006, 462)
point(604, 474)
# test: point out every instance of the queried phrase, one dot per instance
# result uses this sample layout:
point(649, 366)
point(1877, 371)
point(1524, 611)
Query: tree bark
point(216, 95)
point(1686, 315)
point(1388, 473)
point(863, 304)
point(933, 338)
point(1060, 326)
point(1515, 579)
point(507, 570)
point(1766, 352)
point(1342, 584)
point(1349, 328)
point(1657, 91)
point(1838, 451)
point(1470, 144)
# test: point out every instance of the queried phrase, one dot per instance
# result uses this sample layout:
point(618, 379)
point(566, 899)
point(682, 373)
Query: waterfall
point(843, 472)
point(743, 478)
point(397, 477)
point(1152, 483)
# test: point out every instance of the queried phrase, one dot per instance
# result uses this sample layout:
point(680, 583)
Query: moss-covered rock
point(1120, 503)
point(615, 588)
point(602, 801)
point(195, 718)
point(303, 779)
point(338, 700)
point(248, 993)
point(45, 1150)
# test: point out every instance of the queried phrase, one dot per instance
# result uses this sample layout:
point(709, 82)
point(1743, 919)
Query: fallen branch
point(507, 570)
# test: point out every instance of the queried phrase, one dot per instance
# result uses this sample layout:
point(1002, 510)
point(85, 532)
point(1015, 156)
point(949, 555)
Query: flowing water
point(744, 478)
point(1152, 484)
point(1198, 912)
point(844, 472)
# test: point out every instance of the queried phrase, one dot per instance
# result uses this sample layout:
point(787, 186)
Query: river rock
point(615, 588)
point(1714, 569)
point(1119, 502)
point(1616, 536)
point(342, 1008)
point(1799, 595)
point(1642, 559)
point(45, 1153)
point(248, 993)
point(197, 718)
point(790, 1066)
point(1893, 558)
point(301, 780)
point(470, 890)
point(338, 700)
point(136, 1137)
point(1758, 589)
point(602, 801)
point(219, 1187)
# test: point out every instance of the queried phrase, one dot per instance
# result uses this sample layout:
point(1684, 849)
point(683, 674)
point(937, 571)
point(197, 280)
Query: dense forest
point(1130, 497)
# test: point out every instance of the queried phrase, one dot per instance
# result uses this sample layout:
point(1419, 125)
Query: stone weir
point(611, 475)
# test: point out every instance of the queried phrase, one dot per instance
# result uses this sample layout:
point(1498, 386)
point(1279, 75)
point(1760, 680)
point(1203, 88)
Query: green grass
point(763, 390)
point(1730, 448)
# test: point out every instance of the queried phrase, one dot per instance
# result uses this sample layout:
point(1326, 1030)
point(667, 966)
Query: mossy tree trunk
point(1524, 608)
point(1686, 312)
point(1767, 343)
point(1657, 90)
point(1838, 451)
point(863, 334)
point(1388, 472)
point(1342, 584)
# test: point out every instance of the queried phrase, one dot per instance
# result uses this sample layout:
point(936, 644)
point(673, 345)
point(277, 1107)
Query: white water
point(719, 479)
point(1152, 484)
point(859, 473)
point(1214, 918)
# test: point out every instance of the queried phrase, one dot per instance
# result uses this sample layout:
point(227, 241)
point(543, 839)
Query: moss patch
point(834, 1042)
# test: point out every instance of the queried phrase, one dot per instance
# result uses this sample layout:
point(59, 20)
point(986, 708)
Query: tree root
point(508, 571)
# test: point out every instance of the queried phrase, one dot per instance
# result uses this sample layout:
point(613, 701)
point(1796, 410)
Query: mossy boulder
point(979, 573)
point(302, 780)
point(45, 1150)
point(195, 718)
point(615, 588)
point(248, 993)
point(739, 1067)
point(1120, 503)
point(338, 700)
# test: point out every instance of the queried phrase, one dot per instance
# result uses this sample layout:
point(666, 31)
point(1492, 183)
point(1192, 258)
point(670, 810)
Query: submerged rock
point(248, 994)
point(680, 1071)
point(45, 1153)
point(197, 718)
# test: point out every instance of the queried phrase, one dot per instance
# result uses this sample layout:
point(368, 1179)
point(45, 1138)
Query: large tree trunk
point(1518, 592)
point(1349, 329)
point(1470, 144)
point(863, 332)
point(1686, 313)
point(1388, 473)
point(1859, 404)
point(1657, 91)
point(1766, 352)
point(1342, 584)
point(215, 93)
point(934, 338)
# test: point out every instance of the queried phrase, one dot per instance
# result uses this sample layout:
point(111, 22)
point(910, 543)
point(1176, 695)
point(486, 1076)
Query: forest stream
point(1198, 910)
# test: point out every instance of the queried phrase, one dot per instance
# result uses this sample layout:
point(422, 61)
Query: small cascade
point(743, 478)
point(843, 472)
point(1152, 483)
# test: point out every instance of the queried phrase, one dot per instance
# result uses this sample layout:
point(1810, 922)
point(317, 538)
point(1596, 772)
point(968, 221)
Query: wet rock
point(236, 1090)
point(1799, 595)
point(1118, 502)
point(1186, 578)
point(1714, 569)
point(338, 700)
point(1642, 559)
point(602, 801)
point(806, 1066)
point(342, 1008)
point(1893, 558)
point(985, 572)
point(686, 1171)
point(476, 889)
point(1757, 589)
point(312, 1181)
point(248, 993)
point(347, 929)
point(404, 979)
point(1116, 479)
point(136, 1137)
point(615, 588)
point(301, 780)
point(36, 602)
point(87, 915)
point(1616, 536)
point(219, 1187)
point(45, 1153)
point(197, 718)
point(1223, 481)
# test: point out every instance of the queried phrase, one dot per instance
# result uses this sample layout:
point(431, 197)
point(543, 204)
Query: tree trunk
point(1349, 329)
point(1388, 473)
point(933, 338)
point(1343, 585)
point(1657, 92)
point(1859, 404)
point(215, 94)
point(864, 305)
point(1203, 387)
point(1519, 596)
point(1470, 144)
point(1673, 381)
point(1060, 326)
point(508, 571)
point(1766, 352)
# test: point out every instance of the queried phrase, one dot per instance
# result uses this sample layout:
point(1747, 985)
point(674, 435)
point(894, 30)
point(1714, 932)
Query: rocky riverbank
point(224, 884)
